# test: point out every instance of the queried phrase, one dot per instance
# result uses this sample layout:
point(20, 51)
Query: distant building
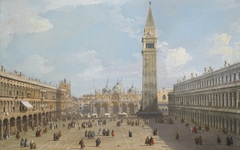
point(66, 86)
point(113, 101)
point(163, 99)
point(211, 99)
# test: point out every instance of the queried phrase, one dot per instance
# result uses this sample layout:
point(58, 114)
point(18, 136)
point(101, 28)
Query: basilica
point(113, 101)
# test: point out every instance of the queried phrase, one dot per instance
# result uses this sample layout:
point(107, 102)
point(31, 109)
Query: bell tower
point(149, 70)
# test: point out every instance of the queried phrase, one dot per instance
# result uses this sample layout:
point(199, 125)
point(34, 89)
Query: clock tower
point(149, 70)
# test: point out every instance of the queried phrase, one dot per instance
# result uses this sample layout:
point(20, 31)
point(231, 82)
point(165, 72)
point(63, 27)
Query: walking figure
point(177, 136)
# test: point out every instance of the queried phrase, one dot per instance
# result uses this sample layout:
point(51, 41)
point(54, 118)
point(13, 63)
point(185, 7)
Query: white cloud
point(221, 47)
point(235, 26)
point(18, 17)
point(55, 4)
point(127, 25)
point(35, 65)
point(174, 58)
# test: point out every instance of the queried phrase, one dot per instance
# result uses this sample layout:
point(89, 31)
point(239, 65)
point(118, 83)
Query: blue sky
point(90, 41)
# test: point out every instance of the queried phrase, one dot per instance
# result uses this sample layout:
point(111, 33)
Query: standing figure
point(59, 134)
point(99, 132)
point(196, 140)
point(177, 136)
point(93, 134)
point(86, 133)
point(228, 141)
point(218, 140)
point(54, 137)
point(151, 141)
point(130, 133)
point(231, 141)
point(81, 143)
point(98, 142)
point(26, 143)
point(147, 140)
point(200, 140)
point(22, 142)
point(18, 135)
point(113, 133)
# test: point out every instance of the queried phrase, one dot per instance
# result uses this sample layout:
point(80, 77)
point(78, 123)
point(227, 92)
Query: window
point(164, 97)
point(149, 45)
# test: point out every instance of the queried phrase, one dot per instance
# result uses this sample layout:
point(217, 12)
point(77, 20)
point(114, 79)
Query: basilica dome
point(105, 90)
point(118, 87)
point(132, 90)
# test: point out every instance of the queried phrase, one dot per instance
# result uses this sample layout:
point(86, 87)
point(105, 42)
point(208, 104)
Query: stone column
point(238, 127)
point(230, 96)
point(234, 125)
point(233, 100)
point(230, 125)
point(213, 121)
point(237, 98)
point(222, 123)
point(1, 130)
point(225, 99)
point(128, 110)
point(120, 108)
point(27, 123)
point(21, 125)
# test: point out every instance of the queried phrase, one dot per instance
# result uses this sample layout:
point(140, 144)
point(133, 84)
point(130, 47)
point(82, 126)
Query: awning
point(106, 114)
point(27, 104)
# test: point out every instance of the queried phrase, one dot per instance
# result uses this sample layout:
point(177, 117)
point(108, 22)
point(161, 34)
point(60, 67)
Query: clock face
point(149, 33)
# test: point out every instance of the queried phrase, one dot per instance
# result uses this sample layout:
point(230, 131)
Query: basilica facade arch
point(115, 101)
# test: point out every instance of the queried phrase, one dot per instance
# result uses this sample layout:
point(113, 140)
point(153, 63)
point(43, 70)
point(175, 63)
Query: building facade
point(113, 101)
point(211, 99)
point(26, 102)
point(149, 70)
point(163, 99)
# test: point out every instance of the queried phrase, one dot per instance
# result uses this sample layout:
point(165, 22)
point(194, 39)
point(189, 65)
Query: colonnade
point(218, 120)
point(13, 124)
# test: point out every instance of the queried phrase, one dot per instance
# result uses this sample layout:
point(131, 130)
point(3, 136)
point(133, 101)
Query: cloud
point(55, 4)
point(174, 58)
point(221, 47)
point(35, 65)
point(235, 26)
point(130, 26)
point(20, 18)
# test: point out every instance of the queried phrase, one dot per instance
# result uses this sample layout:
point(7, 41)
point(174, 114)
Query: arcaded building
point(114, 100)
point(211, 99)
point(27, 102)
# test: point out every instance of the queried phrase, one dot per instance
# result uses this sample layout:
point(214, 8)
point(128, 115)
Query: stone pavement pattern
point(165, 140)
point(71, 137)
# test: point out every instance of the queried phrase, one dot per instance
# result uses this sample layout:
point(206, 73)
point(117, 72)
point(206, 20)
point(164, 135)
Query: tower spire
point(150, 22)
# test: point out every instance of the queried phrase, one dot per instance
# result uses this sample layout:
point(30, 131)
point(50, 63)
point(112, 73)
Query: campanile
point(149, 70)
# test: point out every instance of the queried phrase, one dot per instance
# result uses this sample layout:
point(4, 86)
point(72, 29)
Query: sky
point(92, 43)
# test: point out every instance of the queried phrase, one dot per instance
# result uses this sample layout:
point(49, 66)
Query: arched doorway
point(105, 108)
point(12, 126)
point(97, 108)
point(35, 120)
point(131, 108)
point(124, 107)
point(115, 108)
point(24, 123)
point(30, 122)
